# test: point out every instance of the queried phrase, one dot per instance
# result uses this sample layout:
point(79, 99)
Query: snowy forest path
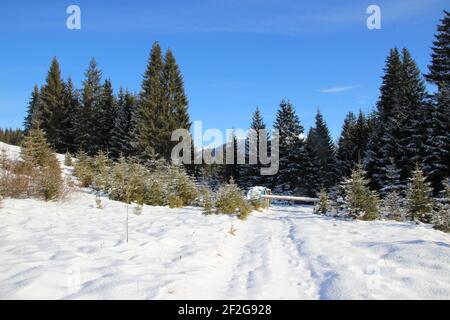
point(271, 263)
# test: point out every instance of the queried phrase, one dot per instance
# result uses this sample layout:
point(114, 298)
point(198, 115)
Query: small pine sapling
point(102, 165)
point(392, 207)
point(419, 202)
point(359, 201)
point(68, 159)
point(441, 218)
point(175, 201)
point(229, 200)
point(323, 206)
point(84, 169)
point(207, 200)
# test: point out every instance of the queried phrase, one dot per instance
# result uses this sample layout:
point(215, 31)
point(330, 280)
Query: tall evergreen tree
point(175, 103)
point(11, 136)
point(122, 134)
point(415, 119)
point(107, 114)
point(322, 152)
point(232, 170)
point(362, 132)
point(293, 158)
point(52, 102)
point(88, 123)
point(345, 149)
point(252, 171)
point(71, 109)
point(150, 112)
point(383, 142)
point(174, 92)
point(392, 180)
point(439, 70)
point(437, 159)
point(34, 111)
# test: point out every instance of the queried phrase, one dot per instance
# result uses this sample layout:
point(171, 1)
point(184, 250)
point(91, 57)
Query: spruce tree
point(416, 117)
point(293, 158)
point(437, 159)
point(231, 170)
point(322, 152)
point(174, 94)
point(419, 202)
point(361, 135)
point(359, 201)
point(353, 142)
point(393, 206)
point(403, 116)
point(107, 114)
point(439, 70)
point(34, 111)
point(52, 102)
point(150, 114)
point(67, 131)
point(251, 172)
point(383, 141)
point(46, 179)
point(392, 182)
point(175, 103)
point(89, 137)
point(122, 134)
point(35, 149)
point(323, 206)
point(441, 218)
point(345, 149)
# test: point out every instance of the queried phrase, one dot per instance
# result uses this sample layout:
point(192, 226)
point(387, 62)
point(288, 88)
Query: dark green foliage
point(162, 106)
point(11, 136)
point(122, 133)
point(70, 111)
point(293, 158)
point(321, 151)
point(437, 158)
point(52, 107)
point(415, 117)
point(150, 117)
point(352, 143)
point(107, 114)
point(89, 119)
point(382, 144)
point(402, 121)
point(34, 111)
point(251, 172)
point(439, 70)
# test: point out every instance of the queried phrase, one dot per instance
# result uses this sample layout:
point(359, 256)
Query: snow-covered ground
point(73, 250)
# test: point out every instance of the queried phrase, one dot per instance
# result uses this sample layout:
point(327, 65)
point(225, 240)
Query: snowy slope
point(72, 250)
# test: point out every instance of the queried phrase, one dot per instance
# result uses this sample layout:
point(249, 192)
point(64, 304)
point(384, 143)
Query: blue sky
point(234, 54)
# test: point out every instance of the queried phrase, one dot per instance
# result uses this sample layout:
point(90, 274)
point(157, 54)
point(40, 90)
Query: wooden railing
point(290, 198)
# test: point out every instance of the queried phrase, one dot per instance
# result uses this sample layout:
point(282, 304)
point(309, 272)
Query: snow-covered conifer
point(419, 202)
point(359, 201)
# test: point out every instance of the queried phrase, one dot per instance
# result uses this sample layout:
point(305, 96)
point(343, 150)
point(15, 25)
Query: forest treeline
point(408, 127)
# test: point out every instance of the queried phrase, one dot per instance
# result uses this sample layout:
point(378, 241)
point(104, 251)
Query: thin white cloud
point(337, 89)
